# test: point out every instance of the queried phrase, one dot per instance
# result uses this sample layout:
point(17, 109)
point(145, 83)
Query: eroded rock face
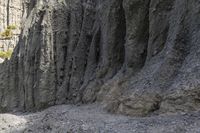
point(137, 57)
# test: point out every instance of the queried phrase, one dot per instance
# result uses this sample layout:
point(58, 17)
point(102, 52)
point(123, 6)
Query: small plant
point(12, 27)
point(8, 32)
point(6, 54)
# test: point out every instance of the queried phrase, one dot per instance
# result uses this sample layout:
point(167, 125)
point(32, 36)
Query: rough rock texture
point(92, 119)
point(138, 57)
point(10, 14)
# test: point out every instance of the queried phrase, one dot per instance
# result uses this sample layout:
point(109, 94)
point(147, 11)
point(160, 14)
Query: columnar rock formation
point(10, 14)
point(138, 57)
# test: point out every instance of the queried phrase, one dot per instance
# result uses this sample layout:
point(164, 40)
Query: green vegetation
point(6, 54)
point(12, 27)
point(8, 32)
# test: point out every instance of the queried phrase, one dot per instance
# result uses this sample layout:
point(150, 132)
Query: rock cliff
point(137, 57)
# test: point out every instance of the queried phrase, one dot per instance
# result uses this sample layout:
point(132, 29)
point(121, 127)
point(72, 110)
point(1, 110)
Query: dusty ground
point(92, 119)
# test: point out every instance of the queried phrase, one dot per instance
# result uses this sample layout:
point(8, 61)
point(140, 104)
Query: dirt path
point(92, 119)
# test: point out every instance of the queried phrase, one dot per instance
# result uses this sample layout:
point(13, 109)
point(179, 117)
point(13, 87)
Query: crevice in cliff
point(98, 47)
point(146, 32)
point(8, 12)
point(29, 6)
point(55, 64)
point(137, 34)
point(123, 31)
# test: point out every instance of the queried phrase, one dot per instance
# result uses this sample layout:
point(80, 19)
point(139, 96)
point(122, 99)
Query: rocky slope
point(92, 119)
point(137, 57)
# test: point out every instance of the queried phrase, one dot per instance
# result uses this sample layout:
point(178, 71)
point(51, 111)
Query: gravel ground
point(93, 119)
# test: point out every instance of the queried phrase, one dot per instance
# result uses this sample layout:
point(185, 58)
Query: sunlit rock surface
point(10, 14)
